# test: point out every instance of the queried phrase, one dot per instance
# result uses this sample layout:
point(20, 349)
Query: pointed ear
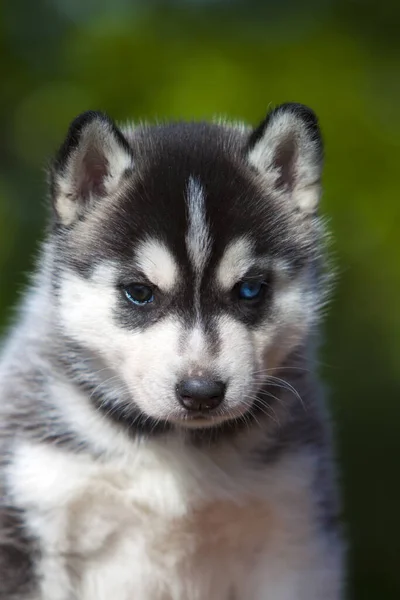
point(287, 150)
point(89, 165)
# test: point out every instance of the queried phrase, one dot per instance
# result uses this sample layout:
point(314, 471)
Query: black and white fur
point(109, 489)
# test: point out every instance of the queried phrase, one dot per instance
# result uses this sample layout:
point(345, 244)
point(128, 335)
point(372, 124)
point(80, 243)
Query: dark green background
point(146, 60)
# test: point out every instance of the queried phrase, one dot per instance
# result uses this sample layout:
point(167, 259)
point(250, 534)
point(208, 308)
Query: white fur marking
point(235, 262)
point(198, 238)
point(158, 264)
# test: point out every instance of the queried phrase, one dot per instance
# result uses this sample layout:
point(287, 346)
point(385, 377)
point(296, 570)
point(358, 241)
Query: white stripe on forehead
point(237, 259)
point(198, 240)
point(157, 263)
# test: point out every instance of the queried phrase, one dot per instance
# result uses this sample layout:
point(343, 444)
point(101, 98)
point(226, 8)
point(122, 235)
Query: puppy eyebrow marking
point(157, 263)
point(236, 261)
point(198, 240)
point(239, 261)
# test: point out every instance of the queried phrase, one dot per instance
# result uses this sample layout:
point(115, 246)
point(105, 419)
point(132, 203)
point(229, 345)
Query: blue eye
point(139, 294)
point(250, 290)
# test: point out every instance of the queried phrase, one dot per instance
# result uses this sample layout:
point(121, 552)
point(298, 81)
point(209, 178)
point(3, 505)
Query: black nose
point(200, 394)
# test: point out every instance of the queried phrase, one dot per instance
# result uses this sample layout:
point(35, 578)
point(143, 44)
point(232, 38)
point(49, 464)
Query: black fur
point(18, 552)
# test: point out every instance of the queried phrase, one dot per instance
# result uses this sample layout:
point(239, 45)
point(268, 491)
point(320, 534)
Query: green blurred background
point(146, 60)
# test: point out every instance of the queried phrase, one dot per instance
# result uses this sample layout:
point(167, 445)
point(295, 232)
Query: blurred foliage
point(149, 60)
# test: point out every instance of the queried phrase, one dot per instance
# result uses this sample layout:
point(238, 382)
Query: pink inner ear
point(285, 160)
point(94, 170)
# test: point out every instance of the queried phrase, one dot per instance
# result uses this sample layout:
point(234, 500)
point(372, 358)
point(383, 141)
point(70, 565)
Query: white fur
point(158, 264)
point(196, 346)
point(293, 311)
point(198, 236)
point(86, 312)
point(237, 259)
point(174, 523)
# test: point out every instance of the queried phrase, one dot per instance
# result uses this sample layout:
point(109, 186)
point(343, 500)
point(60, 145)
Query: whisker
point(288, 386)
point(281, 368)
point(256, 401)
point(101, 384)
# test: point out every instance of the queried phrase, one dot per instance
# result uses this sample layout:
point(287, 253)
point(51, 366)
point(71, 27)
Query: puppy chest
point(117, 543)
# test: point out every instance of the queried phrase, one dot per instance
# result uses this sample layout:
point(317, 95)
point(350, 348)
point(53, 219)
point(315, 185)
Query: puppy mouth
point(199, 420)
point(209, 418)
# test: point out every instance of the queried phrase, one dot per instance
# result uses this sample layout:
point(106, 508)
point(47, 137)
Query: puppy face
point(186, 260)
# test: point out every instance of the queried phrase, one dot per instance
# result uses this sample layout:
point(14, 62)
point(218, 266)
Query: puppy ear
point(89, 165)
point(286, 148)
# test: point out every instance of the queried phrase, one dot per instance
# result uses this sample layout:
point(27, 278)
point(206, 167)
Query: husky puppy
point(163, 433)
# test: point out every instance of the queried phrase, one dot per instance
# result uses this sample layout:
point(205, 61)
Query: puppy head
point(186, 259)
